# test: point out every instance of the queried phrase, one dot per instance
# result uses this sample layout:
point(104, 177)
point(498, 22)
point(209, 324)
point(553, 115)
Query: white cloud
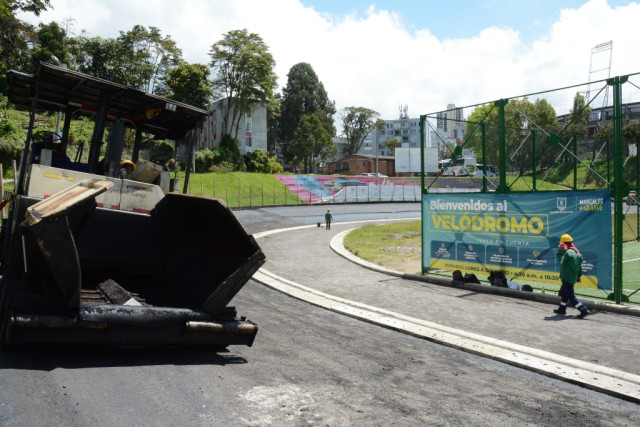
point(374, 60)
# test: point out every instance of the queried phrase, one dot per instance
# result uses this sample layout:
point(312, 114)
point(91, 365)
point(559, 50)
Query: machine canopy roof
point(75, 92)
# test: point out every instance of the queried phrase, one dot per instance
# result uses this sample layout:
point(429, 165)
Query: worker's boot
point(584, 312)
point(562, 309)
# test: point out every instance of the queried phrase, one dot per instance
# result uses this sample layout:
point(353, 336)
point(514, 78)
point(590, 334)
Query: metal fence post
point(637, 191)
point(575, 162)
point(483, 130)
point(608, 162)
point(617, 82)
point(533, 158)
point(502, 142)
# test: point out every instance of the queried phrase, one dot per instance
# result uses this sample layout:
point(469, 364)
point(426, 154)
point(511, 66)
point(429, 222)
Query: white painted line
point(607, 380)
point(302, 227)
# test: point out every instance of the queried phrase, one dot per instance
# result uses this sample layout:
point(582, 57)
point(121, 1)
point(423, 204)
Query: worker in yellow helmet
point(570, 261)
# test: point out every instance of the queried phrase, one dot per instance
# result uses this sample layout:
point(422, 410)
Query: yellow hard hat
point(130, 164)
point(328, 210)
point(565, 238)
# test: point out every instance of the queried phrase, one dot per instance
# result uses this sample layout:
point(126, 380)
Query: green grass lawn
point(241, 188)
point(384, 244)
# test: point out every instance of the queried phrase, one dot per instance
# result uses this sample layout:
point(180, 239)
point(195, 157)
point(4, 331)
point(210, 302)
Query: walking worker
point(570, 260)
point(328, 218)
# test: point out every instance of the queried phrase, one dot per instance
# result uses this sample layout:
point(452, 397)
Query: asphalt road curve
point(308, 365)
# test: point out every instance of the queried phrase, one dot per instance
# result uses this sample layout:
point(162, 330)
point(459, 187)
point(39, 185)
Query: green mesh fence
point(581, 137)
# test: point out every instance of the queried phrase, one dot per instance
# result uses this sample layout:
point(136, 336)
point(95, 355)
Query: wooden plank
point(60, 202)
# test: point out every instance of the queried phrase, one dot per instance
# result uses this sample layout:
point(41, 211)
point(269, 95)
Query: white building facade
point(252, 129)
point(406, 131)
point(446, 132)
point(450, 123)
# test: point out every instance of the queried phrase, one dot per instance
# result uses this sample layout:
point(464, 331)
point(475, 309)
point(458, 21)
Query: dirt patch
point(405, 265)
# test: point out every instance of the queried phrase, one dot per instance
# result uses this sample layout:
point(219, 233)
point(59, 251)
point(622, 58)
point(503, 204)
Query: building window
point(247, 122)
point(247, 128)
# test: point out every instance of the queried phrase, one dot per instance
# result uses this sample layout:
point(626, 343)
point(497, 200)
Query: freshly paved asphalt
point(598, 352)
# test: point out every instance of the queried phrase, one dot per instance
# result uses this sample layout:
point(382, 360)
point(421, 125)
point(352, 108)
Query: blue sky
point(448, 19)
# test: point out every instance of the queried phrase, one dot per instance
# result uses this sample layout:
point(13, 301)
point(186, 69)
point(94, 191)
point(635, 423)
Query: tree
point(10, 7)
point(521, 117)
point(146, 56)
point(311, 143)
point(303, 95)
point(243, 70)
point(16, 36)
point(230, 152)
point(391, 144)
point(50, 45)
point(139, 58)
point(259, 161)
point(273, 123)
point(98, 57)
point(630, 133)
point(189, 83)
point(357, 122)
point(578, 116)
point(15, 39)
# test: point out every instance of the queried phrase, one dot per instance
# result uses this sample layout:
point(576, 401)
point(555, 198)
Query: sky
point(385, 54)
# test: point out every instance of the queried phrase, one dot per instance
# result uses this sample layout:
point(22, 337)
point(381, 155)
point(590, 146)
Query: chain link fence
point(577, 138)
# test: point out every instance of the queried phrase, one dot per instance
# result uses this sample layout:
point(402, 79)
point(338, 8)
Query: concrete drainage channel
point(614, 382)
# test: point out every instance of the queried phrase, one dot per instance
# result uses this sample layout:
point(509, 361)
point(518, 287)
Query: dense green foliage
point(521, 116)
point(304, 95)
point(50, 45)
point(391, 144)
point(357, 122)
point(311, 143)
point(189, 83)
point(259, 161)
point(225, 157)
point(34, 6)
point(243, 71)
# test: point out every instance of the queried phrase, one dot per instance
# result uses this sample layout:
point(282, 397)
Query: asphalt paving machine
point(101, 252)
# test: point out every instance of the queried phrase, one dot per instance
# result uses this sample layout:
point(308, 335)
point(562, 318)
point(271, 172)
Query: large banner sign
point(518, 234)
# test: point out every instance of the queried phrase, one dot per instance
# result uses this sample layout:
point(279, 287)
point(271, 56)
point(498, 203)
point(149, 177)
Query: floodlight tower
point(599, 65)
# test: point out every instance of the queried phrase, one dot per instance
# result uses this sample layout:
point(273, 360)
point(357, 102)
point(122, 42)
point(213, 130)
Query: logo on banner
point(561, 203)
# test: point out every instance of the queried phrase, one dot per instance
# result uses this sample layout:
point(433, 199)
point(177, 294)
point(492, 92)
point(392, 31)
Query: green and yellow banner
point(518, 233)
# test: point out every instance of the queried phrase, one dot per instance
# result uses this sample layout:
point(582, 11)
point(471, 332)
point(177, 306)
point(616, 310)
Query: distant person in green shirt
point(328, 218)
point(570, 260)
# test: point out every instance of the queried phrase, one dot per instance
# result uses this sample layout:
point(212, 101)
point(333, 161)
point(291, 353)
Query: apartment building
point(252, 130)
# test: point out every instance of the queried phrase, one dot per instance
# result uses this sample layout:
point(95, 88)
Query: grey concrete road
point(309, 366)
